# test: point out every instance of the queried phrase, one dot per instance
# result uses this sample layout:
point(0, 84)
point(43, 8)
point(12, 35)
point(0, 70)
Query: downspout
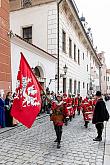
point(106, 81)
point(58, 69)
point(100, 74)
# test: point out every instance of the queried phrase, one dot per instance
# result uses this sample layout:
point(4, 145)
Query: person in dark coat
point(8, 105)
point(100, 115)
point(2, 112)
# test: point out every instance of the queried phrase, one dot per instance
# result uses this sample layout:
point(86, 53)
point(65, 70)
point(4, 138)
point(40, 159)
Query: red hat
point(64, 94)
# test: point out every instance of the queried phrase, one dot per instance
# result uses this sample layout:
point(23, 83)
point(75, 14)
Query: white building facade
point(108, 81)
point(103, 73)
point(42, 63)
point(57, 29)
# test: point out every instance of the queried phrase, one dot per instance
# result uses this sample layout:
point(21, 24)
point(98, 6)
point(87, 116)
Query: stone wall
point(17, 4)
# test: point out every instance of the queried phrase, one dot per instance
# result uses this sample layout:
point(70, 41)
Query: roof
point(74, 8)
point(35, 46)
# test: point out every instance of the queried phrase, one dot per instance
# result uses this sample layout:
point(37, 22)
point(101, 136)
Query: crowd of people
point(62, 108)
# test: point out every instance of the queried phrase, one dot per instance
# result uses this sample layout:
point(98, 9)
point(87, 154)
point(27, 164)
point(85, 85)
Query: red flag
point(27, 102)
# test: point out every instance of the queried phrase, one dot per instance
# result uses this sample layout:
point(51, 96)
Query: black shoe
point(56, 140)
point(97, 139)
point(58, 145)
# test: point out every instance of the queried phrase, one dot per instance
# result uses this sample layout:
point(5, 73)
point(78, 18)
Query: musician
point(58, 115)
point(66, 100)
point(87, 112)
point(79, 103)
point(73, 105)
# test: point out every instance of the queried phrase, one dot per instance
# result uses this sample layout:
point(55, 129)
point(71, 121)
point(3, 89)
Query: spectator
point(2, 111)
point(100, 115)
point(8, 104)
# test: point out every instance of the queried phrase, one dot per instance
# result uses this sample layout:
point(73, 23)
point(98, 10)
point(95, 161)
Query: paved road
point(35, 146)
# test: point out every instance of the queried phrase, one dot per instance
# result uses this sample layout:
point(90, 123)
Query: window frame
point(70, 48)
point(75, 87)
point(28, 39)
point(83, 56)
point(70, 85)
point(78, 56)
point(75, 52)
point(63, 41)
point(83, 85)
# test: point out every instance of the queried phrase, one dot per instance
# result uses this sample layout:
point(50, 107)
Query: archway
point(38, 71)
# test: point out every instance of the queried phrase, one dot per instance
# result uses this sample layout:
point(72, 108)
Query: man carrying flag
point(27, 103)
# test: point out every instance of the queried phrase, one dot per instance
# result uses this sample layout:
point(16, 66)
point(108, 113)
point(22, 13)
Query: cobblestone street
point(36, 146)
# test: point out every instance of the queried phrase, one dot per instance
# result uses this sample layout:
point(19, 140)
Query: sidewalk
point(107, 145)
point(107, 139)
point(2, 130)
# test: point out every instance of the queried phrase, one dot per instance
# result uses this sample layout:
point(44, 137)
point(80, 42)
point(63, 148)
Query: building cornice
point(84, 32)
point(35, 3)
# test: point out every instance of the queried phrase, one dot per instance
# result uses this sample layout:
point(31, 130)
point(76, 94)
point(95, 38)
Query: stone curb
point(107, 144)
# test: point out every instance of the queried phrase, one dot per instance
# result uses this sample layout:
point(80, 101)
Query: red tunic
point(58, 113)
point(87, 111)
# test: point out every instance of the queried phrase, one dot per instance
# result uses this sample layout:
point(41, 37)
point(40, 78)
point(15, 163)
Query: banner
point(27, 103)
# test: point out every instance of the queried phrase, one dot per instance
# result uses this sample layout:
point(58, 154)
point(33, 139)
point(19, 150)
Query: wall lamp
point(65, 68)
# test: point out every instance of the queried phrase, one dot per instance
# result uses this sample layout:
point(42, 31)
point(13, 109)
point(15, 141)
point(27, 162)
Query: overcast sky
point(97, 14)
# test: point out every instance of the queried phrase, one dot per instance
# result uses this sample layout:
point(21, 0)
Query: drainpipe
point(58, 69)
point(100, 77)
point(106, 81)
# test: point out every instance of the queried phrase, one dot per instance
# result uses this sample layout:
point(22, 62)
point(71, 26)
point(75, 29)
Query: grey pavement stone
point(106, 160)
point(35, 146)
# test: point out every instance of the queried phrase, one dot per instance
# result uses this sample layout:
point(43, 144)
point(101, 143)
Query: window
point(104, 78)
point(78, 86)
point(83, 85)
point(27, 34)
point(109, 87)
point(87, 88)
point(74, 52)
point(26, 3)
point(83, 56)
point(63, 41)
point(75, 87)
point(87, 68)
point(70, 85)
point(108, 78)
point(78, 56)
point(64, 85)
point(70, 48)
point(87, 53)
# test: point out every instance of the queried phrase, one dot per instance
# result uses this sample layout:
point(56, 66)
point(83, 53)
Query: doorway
point(64, 85)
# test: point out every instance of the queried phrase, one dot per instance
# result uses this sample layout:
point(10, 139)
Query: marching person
point(73, 105)
point(79, 103)
point(57, 117)
point(99, 116)
point(70, 107)
point(87, 112)
point(66, 100)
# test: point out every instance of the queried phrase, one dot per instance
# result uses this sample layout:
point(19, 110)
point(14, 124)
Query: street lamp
point(65, 68)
